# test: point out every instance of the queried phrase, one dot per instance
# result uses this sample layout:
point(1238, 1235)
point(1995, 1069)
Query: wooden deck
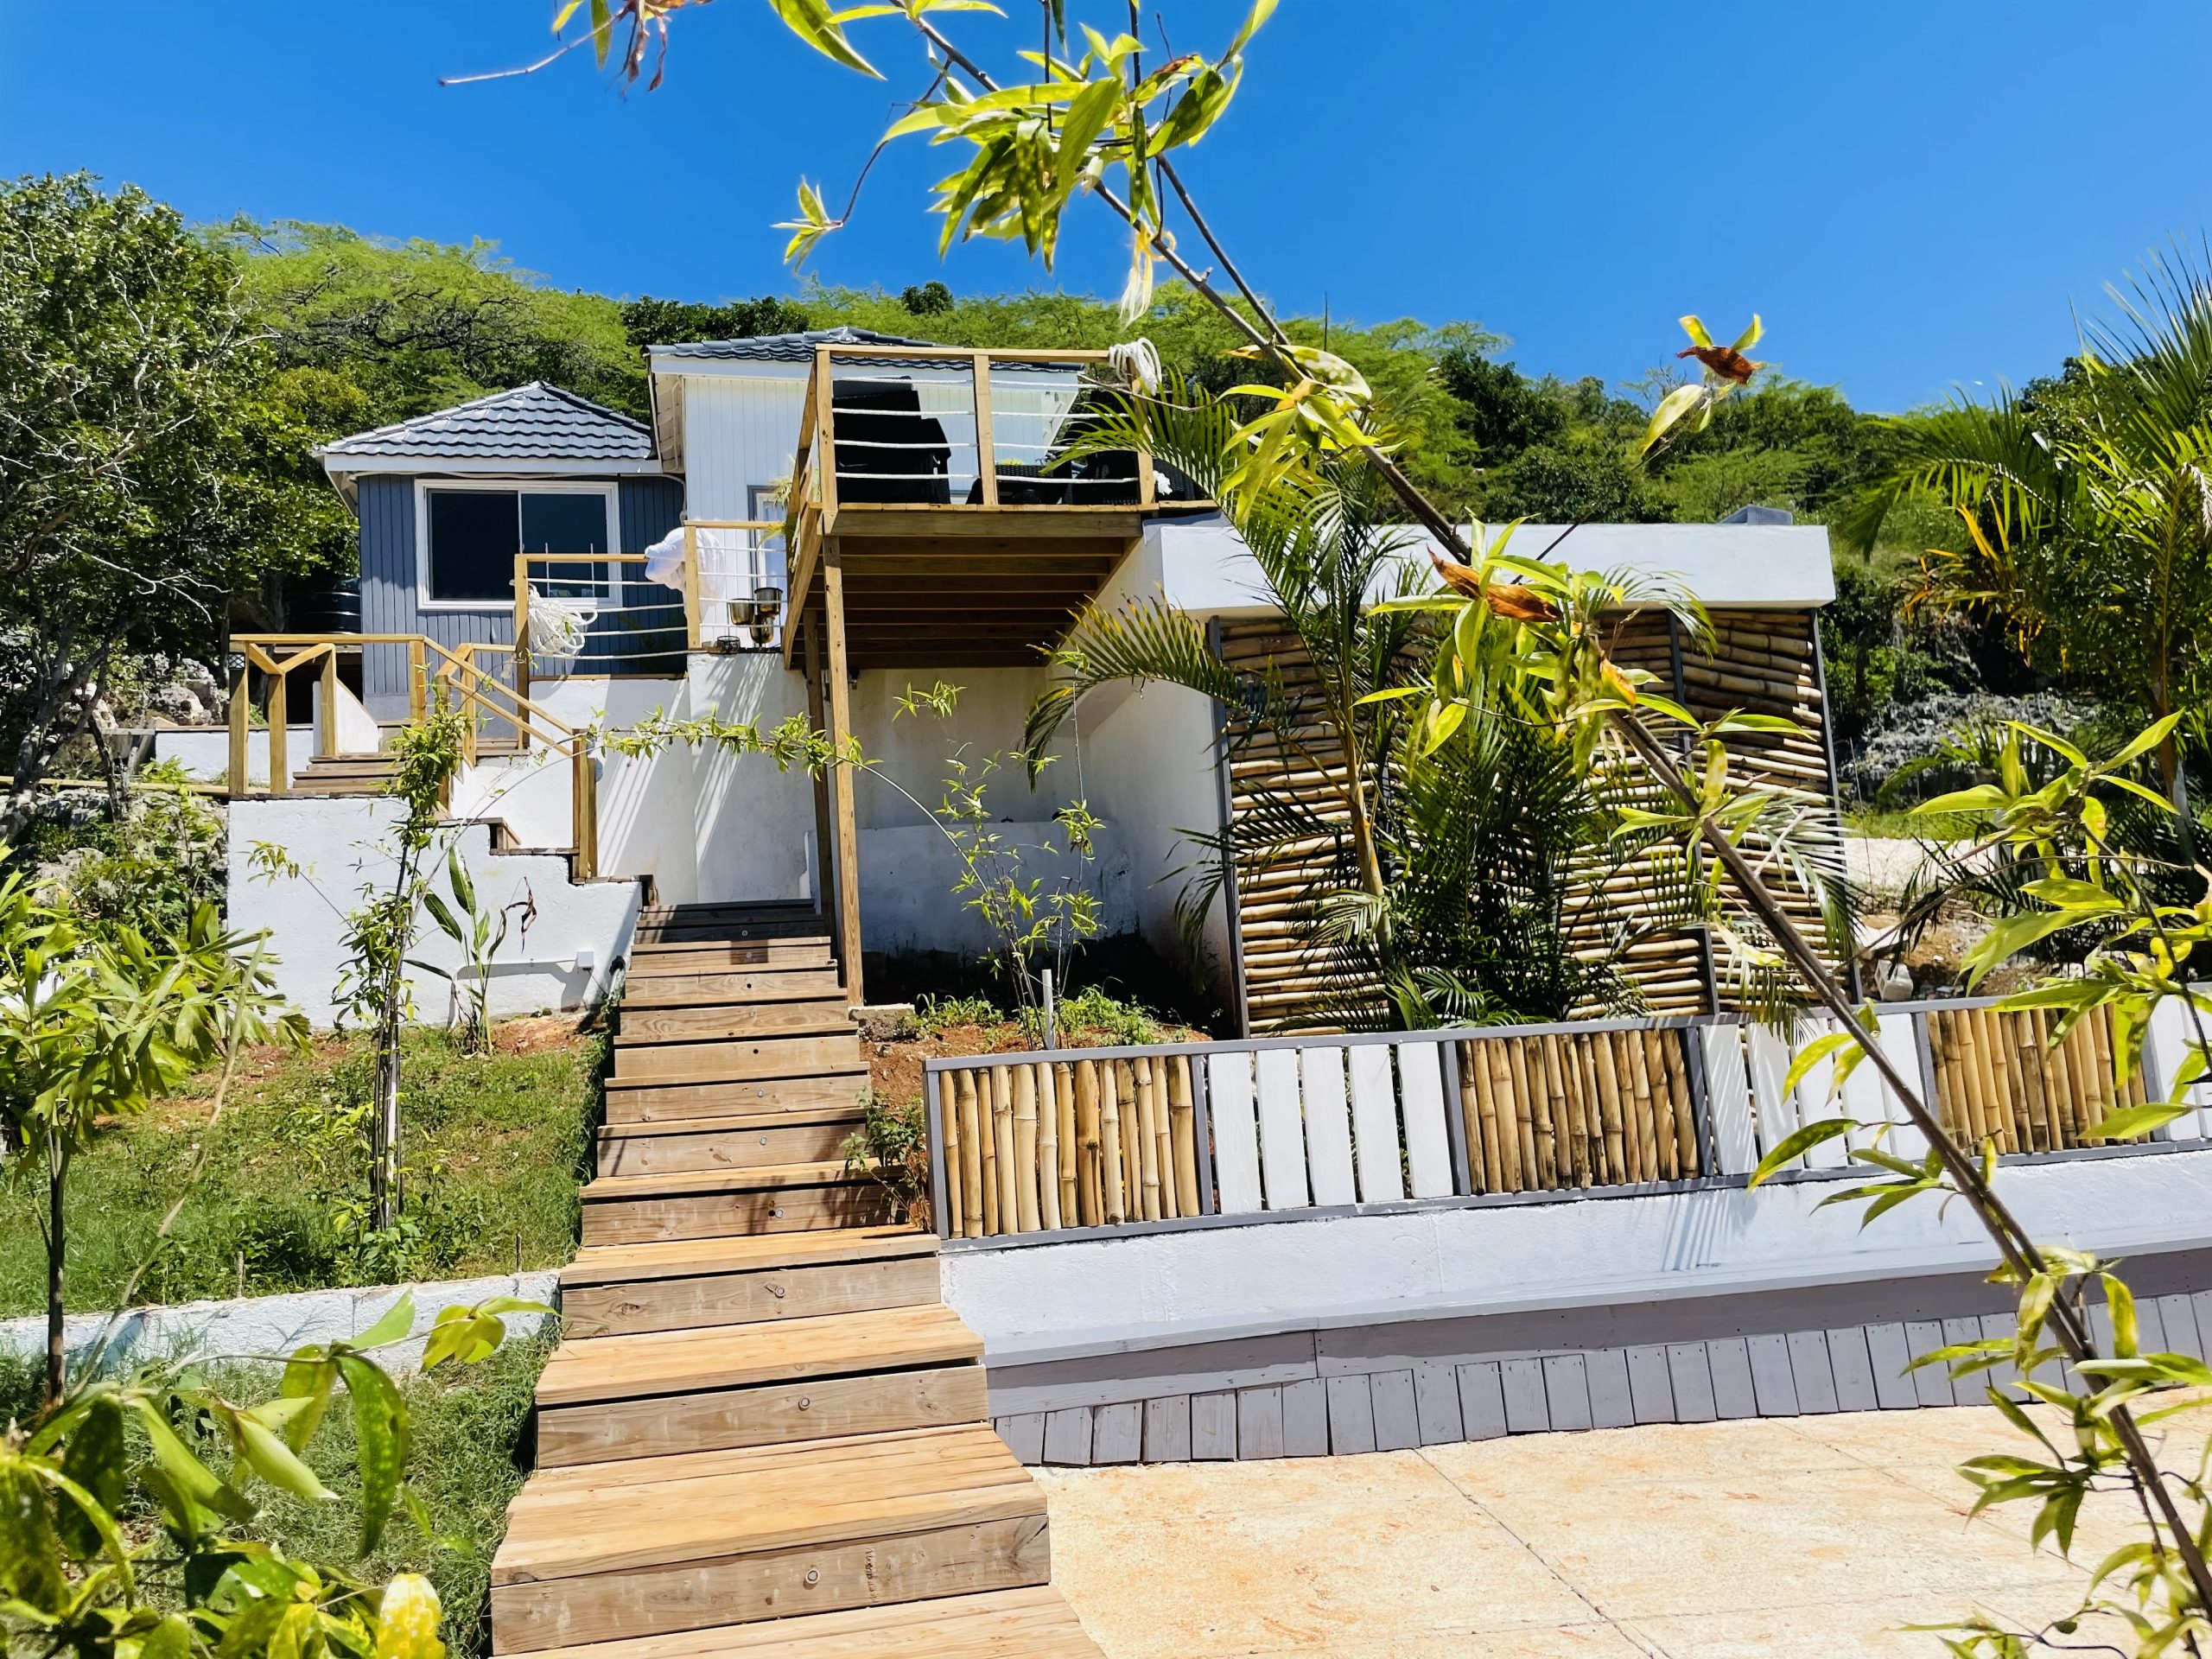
point(764, 1433)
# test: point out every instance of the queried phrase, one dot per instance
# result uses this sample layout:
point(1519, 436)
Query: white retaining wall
point(255, 1326)
point(561, 960)
point(1193, 1283)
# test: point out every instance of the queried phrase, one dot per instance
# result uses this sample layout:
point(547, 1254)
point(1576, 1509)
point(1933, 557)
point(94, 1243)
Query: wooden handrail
point(457, 675)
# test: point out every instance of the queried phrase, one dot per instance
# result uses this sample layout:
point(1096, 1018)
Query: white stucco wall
point(561, 960)
point(205, 751)
point(1206, 571)
point(1286, 1275)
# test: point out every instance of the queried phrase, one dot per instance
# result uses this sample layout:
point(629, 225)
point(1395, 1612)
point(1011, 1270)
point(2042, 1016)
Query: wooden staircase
point(764, 1432)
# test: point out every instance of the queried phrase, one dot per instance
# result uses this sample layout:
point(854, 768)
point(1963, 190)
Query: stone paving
point(1811, 1535)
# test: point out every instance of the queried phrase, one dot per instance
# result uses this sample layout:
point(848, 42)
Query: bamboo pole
point(1530, 1051)
point(974, 1126)
point(1562, 1114)
point(2054, 1092)
point(1972, 1076)
point(2041, 1118)
point(1508, 1116)
point(1687, 1164)
point(2101, 1048)
point(1563, 1055)
point(2082, 1057)
point(1147, 1140)
point(1048, 1149)
point(1647, 1110)
point(956, 1195)
point(1989, 1045)
point(2069, 1085)
point(1113, 1188)
point(1474, 1073)
point(1950, 1105)
point(1182, 1112)
point(1064, 1123)
point(1524, 1112)
point(1027, 1210)
point(1009, 1174)
point(1090, 1176)
point(1609, 1105)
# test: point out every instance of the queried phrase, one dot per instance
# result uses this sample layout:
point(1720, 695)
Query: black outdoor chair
point(889, 453)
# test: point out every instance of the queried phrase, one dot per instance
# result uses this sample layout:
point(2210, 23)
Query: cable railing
point(1074, 1141)
point(450, 677)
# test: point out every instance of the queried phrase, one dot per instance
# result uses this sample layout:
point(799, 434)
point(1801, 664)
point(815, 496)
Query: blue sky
point(1914, 196)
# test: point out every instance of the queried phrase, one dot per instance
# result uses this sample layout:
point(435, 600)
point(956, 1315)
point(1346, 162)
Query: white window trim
point(611, 494)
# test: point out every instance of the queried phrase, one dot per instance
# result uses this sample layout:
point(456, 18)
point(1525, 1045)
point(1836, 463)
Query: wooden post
point(825, 439)
point(987, 449)
point(417, 689)
point(824, 876)
point(522, 646)
point(279, 735)
point(1148, 486)
point(325, 706)
point(237, 780)
point(583, 809)
point(840, 777)
point(694, 633)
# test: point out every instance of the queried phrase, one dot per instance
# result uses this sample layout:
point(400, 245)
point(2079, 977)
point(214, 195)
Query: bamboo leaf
point(1798, 1142)
point(1812, 1054)
point(2132, 1121)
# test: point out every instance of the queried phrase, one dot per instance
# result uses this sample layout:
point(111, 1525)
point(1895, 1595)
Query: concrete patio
point(1810, 1536)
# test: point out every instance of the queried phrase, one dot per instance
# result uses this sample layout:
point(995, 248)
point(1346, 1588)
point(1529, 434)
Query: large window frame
point(608, 586)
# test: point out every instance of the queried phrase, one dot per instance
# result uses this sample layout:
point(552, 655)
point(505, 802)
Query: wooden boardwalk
point(764, 1432)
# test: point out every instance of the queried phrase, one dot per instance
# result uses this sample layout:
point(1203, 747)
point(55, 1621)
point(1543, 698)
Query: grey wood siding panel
point(387, 553)
point(1931, 1385)
point(1889, 1353)
point(1611, 1403)
point(1167, 1429)
point(1567, 1391)
point(1436, 1398)
point(1397, 1423)
point(1691, 1376)
point(1305, 1419)
point(1772, 1385)
point(1259, 1423)
point(1213, 1426)
point(1526, 1411)
point(1854, 1371)
point(1809, 1370)
point(1351, 1415)
point(1117, 1433)
point(1024, 1435)
point(1649, 1387)
point(1733, 1394)
point(1067, 1435)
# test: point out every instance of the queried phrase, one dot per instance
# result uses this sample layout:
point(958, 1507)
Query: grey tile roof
point(533, 422)
point(784, 348)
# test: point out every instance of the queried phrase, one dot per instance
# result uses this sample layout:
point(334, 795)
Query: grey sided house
point(448, 502)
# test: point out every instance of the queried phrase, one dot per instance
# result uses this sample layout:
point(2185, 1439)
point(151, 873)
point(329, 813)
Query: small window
point(474, 535)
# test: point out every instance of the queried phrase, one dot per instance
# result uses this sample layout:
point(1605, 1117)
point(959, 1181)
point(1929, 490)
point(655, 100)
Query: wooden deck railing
point(435, 671)
point(1080, 1139)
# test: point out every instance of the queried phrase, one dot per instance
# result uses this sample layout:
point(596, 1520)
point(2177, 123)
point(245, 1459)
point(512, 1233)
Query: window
point(472, 536)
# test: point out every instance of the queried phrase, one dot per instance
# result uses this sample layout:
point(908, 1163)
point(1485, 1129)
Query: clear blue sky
point(1916, 195)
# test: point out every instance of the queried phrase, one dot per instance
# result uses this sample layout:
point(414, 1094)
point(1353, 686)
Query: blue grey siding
point(649, 509)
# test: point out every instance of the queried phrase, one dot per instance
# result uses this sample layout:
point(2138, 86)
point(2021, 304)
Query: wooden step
point(679, 931)
point(815, 1017)
point(664, 1393)
point(614, 1289)
point(1035, 1623)
point(723, 1062)
point(746, 1141)
point(645, 1100)
point(654, 962)
point(706, 1204)
point(615, 1550)
point(768, 982)
point(776, 910)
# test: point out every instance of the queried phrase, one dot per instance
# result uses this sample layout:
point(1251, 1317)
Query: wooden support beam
point(235, 779)
point(824, 872)
point(325, 706)
point(840, 777)
point(987, 452)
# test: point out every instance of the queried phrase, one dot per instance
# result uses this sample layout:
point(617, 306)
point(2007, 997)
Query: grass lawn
point(495, 1146)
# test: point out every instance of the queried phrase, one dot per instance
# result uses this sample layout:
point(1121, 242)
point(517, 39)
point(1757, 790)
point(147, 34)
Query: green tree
point(650, 322)
point(2088, 515)
point(136, 427)
point(98, 1026)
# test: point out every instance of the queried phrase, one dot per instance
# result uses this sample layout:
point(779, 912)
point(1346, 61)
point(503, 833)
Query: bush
point(935, 1015)
point(149, 868)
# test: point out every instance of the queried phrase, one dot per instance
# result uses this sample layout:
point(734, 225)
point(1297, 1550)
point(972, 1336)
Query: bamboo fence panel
point(2002, 1078)
point(1554, 1111)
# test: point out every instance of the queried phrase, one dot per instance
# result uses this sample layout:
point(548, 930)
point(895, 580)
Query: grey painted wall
point(648, 508)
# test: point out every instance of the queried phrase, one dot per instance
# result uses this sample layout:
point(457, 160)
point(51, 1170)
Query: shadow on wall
point(1124, 965)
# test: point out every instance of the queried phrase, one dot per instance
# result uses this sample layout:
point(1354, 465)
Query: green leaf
point(1797, 1142)
point(1675, 405)
point(2130, 1121)
point(192, 1479)
point(267, 1456)
point(464, 890)
point(380, 1434)
point(1694, 327)
point(1982, 797)
point(1811, 1055)
point(310, 1377)
point(812, 22)
point(170, 1639)
point(98, 1458)
point(2067, 894)
point(2010, 935)
point(2142, 742)
point(1255, 21)
point(397, 1321)
point(30, 1551)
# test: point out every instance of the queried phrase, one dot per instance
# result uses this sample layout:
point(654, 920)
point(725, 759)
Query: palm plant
point(1445, 869)
point(2088, 506)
